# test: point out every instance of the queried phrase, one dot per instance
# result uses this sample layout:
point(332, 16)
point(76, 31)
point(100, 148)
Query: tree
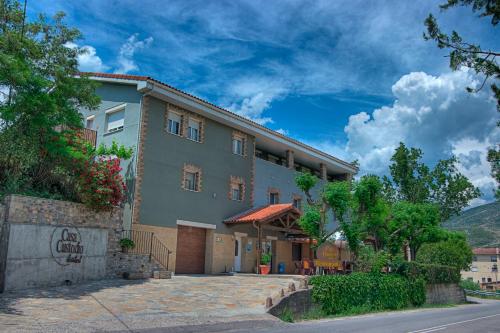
point(452, 252)
point(41, 93)
point(371, 211)
point(334, 197)
point(414, 224)
point(414, 182)
point(494, 159)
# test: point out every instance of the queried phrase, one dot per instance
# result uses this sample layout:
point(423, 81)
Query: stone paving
point(120, 305)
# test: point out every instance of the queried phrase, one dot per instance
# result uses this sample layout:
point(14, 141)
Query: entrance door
point(190, 257)
point(237, 254)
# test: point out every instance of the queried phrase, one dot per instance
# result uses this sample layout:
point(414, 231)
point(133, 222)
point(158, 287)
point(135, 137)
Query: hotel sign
point(66, 245)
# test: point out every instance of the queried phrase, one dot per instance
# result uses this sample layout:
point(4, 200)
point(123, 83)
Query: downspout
point(259, 245)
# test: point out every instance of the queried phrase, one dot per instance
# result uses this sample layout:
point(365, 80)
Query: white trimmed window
point(236, 188)
point(191, 181)
point(115, 120)
point(174, 123)
point(90, 123)
point(237, 192)
point(194, 127)
point(191, 178)
point(238, 145)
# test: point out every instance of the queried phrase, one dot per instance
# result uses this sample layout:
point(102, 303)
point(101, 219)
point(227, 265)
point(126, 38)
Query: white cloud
point(255, 95)
point(88, 61)
point(126, 62)
point(433, 113)
point(282, 131)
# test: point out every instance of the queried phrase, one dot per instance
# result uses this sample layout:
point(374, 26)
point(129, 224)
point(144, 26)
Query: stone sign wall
point(48, 242)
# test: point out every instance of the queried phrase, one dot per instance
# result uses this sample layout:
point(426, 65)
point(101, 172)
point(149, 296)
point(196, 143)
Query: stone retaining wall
point(449, 293)
point(297, 303)
point(300, 302)
point(49, 242)
point(120, 263)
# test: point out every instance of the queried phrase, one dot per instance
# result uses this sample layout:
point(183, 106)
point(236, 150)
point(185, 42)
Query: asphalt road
point(482, 317)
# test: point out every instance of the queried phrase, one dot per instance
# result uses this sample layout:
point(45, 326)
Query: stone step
point(162, 274)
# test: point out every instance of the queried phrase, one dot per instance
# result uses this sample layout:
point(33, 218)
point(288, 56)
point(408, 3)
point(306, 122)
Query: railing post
point(151, 246)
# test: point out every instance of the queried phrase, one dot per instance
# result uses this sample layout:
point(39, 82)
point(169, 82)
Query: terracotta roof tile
point(486, 250)
point(262, 213)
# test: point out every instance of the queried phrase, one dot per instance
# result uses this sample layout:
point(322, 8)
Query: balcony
point(87, 134)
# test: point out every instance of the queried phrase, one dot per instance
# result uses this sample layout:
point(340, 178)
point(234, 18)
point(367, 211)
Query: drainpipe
point(259, 244)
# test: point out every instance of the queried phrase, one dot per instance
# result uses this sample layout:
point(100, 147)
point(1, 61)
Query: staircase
point(146, 243)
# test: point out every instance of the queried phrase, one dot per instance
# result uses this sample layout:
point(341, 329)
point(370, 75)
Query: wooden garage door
point(190, 257)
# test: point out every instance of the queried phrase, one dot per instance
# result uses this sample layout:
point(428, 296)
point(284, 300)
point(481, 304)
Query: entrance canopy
point(278, 217)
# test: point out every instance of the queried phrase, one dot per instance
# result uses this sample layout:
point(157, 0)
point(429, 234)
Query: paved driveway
point(111, 305)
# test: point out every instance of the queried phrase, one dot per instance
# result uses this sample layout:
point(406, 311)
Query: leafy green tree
point(414, 182)
point(371, 211)
point(414, 224)
point(451, 252)
point(494, 159)
point(335, 197)
point(41, 96)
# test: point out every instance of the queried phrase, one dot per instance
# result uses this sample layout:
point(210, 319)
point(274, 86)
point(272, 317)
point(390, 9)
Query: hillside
point(481, 224)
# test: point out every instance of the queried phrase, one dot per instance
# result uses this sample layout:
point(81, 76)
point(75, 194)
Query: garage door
point(190, 257)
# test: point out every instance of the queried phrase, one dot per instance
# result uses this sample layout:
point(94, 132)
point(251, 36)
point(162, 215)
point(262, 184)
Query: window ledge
point(113, 132)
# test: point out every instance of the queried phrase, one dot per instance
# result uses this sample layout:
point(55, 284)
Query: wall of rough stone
point(297, 303)
point(139, 264)
point(449, 293)
point(300, 302)
point(35, 232)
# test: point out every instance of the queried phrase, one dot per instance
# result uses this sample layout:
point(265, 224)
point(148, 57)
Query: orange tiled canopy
point(262, 214)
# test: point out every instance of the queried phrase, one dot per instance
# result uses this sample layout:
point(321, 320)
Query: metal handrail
point(148, 244)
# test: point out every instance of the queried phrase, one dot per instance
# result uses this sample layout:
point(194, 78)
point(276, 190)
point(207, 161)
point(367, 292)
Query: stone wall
point(50, 242)
point(297, 303)
point(450, 293)
point(139, 264)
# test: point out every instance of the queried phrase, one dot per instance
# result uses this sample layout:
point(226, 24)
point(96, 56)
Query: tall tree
point(40, 91)
point(414, 182)
point(334, 197)
point(371, 212)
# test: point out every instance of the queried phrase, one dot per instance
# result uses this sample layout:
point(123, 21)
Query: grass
point(317, 313)
point(287, 316)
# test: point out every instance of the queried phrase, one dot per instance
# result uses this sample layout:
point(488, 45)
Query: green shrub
point(265, 258)
point(127, 243)
point(429, 272)
point(368, 260)
point(417, 291)
point(343, 293)
point(469, 285)
point(452, 252)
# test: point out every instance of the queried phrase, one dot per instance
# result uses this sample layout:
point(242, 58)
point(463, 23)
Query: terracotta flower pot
point(264, 269)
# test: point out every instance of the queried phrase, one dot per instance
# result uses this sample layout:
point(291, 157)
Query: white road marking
point(435, 328)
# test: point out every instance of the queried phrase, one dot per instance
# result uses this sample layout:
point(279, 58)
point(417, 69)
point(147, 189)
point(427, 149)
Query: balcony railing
point(87, 134)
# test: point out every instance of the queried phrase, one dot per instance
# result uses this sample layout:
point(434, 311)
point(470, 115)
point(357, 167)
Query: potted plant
point(126, 244)
point(265, 260)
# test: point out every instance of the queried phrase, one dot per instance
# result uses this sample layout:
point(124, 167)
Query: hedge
point(343, 293)
point(431, 273)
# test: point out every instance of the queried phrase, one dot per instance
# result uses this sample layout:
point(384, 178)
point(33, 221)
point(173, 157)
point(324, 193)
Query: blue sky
point(350, 77)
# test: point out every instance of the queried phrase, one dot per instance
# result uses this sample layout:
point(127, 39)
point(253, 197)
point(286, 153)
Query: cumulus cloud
point(126, 62)
point(255, 95)
point(88, 61)
point(434, 113)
